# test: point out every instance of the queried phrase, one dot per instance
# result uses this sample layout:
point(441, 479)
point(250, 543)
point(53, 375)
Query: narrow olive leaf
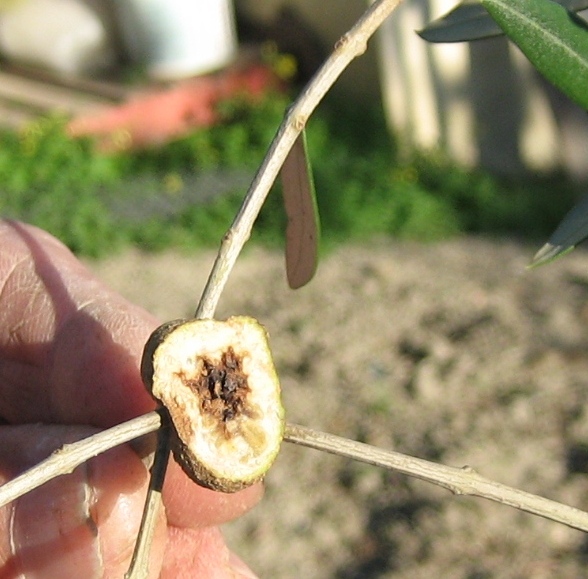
point(469, 20)
point(554, 39)
point(303, 229)
point(570, 232)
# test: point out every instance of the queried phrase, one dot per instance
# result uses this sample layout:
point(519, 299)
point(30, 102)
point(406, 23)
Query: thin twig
point(139, 567)
point(349, 47)
point(460, 481)
point(70, 456)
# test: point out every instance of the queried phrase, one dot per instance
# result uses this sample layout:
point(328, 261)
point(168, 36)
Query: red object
point(157, 117)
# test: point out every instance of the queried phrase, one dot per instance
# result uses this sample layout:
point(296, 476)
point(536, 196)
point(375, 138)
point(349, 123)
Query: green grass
point(99, 203)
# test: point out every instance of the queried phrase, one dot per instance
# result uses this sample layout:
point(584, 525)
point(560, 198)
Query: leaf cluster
point(554, 37)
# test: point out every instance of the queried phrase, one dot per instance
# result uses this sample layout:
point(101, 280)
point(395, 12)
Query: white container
point(66, 36)
point(178, 38)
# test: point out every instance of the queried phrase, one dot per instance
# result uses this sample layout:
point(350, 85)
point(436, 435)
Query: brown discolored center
point(222, 387)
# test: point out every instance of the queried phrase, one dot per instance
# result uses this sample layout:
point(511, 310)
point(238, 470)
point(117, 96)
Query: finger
point(192, 506)
point(83, 524)
point(199, 553)
point(69, 353)
point(69, 347)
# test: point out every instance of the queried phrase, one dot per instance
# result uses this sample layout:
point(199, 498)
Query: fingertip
point(51, 530)
point(197, 553)
point(189, 505)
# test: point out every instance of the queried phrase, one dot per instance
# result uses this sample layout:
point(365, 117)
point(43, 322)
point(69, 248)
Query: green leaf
point(302, 232)
point(552, 38)
point(469, 20)
point(570, 232)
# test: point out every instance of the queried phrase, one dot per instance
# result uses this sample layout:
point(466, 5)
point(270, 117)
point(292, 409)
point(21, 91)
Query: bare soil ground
point(452, 352)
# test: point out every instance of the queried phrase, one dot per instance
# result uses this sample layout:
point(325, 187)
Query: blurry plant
point(555, 40)
point(46, 179)
point(88, 199)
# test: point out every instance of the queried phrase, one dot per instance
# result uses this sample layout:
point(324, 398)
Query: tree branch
point(139, 567)
point(460, 481)
point(70, 456)
point(349, 47)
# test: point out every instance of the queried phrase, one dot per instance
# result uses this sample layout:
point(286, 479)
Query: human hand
point(70, 350)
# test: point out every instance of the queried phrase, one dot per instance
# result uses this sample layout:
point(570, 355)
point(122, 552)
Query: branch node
point(341, 43)
point(299, 122)
point(354, 44)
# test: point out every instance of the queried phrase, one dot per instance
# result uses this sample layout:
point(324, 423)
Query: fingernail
point(52, 531)
point(239, 569)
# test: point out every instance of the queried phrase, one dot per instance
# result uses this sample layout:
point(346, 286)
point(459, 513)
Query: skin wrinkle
point(13, 268)
point(14, 342)
point(30, 314)
point(48, 275)
point(6, 291)
point(14, 338)
point(48, 281)
point(22, 361)
point(26, 369)
point(21, 284)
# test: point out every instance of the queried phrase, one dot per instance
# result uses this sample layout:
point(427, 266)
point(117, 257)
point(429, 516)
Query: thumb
point(83, 524)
